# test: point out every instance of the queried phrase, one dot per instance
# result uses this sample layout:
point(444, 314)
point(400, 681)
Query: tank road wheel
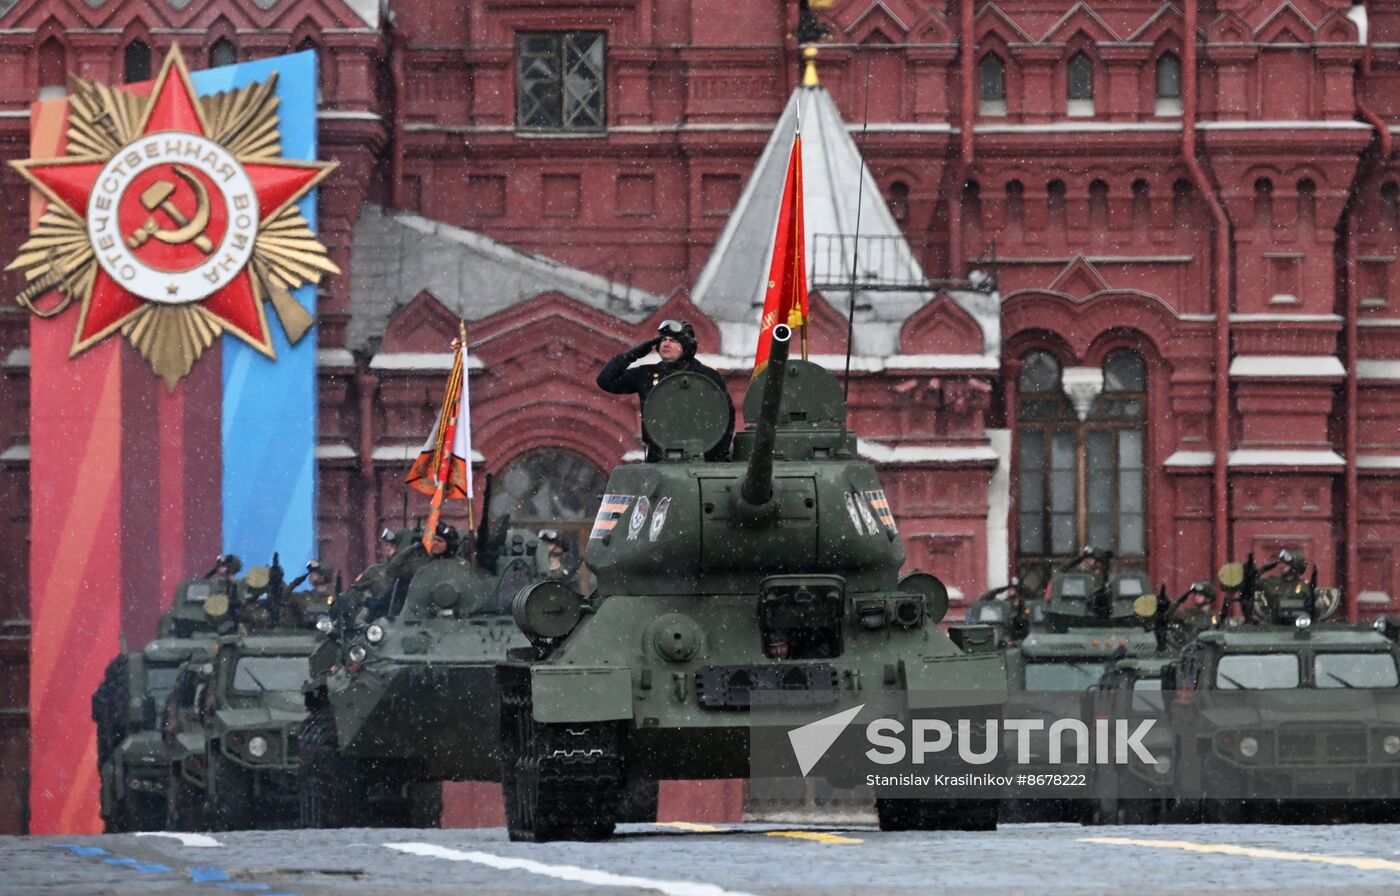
point(560, 781)
point(333, 789)
point(232, 808)
point(936, 815)
point(639, 802)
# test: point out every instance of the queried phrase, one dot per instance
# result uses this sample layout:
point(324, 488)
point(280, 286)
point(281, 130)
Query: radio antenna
point(855, 240)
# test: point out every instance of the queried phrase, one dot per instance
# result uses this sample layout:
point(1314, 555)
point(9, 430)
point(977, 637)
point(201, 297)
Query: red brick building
point(1191, 351)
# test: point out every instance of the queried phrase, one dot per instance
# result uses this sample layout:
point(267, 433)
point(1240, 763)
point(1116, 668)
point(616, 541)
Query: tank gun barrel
point(757, 487)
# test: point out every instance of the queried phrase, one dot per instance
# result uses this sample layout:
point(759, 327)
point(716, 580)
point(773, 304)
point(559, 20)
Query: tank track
point(561, 781)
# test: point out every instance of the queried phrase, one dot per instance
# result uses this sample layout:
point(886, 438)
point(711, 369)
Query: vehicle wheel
point(232, 808)
point(333, 789)
point(560, 782)
point(425, 804)
point(184, 805)
point(639, 802)
point(936, 815)
point(142, 812)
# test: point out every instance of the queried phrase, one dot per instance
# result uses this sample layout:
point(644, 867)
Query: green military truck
point(132, 758)
point(230, 725)
point(1279, 716)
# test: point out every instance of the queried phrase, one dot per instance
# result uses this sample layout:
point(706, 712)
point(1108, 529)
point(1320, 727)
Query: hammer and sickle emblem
point(156, 197)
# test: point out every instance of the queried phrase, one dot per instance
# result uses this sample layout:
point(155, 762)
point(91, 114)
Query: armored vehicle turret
point(133, 763)
point(404, 697)
point(717, 580)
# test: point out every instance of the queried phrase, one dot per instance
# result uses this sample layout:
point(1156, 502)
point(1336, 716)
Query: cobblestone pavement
point(718, 860)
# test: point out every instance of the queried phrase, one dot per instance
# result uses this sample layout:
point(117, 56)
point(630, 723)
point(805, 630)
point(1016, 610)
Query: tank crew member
point(312, 603)
point(226, 567)
point(557, 564)
point(675, 343)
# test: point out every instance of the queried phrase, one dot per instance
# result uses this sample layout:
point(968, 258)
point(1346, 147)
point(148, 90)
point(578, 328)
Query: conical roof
point(836, 182)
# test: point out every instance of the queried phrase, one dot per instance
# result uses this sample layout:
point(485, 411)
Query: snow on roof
point(408, 452)
point(1284, 457)
point(1190, 459)
point(397, 255)
point(421, 361)
point(1290, 366)
point(880, 453)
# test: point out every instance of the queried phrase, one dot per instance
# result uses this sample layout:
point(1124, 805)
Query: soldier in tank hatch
point(557, 564)
point(675, 343)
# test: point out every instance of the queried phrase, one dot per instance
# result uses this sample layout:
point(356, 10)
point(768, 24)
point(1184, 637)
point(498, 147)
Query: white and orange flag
point(785, 301)
point(443, 468)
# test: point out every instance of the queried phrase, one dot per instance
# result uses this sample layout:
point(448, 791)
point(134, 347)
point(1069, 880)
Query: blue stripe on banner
point(269, 407)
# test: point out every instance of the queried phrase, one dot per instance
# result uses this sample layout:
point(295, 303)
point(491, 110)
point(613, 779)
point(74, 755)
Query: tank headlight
point(1249, 747)
point(1302, 623)
point(357, 653)
point(374, 634)
point(1391, 744)
point(324, 625)
point(257, 747)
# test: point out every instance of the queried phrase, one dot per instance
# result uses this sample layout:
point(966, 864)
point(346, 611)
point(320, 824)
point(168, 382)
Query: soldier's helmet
point(316, 567)
point(231, 563)
point(555, 537)
point(682, 332)
point(1293, 561)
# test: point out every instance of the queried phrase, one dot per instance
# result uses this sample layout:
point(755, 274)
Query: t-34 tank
point(778, 570)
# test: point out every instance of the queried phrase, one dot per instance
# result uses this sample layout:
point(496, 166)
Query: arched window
point(222, 53)
point(899, 200)
point(1080, 479)
point(1113, 455)
point(136, 62)
point(1168, 84)
point(52, 69)
point(992, 81)
point(550, 488)
point(1081, 85)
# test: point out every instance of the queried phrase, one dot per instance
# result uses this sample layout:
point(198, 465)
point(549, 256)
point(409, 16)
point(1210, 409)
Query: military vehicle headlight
point(324, 625)
point(374, 634)
point(257, 747)
point(1391, 744)
point(1302, 623)
point(357, 653)
point(1249, 747)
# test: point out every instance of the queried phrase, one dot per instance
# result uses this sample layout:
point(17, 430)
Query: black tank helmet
point(682, 332)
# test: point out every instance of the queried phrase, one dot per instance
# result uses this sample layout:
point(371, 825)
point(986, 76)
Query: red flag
point(786, 298)
point(443, 467)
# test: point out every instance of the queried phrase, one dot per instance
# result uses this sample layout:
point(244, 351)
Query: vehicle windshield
point(1257, 671)
point(1062, 675)
point(1147, 694)
point(1355, 670)
point(160, 681)
point(270, 673)
point(989, 613)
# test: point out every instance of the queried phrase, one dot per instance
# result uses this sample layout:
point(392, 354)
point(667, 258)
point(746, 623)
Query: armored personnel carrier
point(230, 723)
point(403, 700)
point(716, 580)
point(1279, 716)
point(133, 762)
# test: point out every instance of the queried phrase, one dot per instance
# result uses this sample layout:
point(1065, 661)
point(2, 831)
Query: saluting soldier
point(675, 343)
